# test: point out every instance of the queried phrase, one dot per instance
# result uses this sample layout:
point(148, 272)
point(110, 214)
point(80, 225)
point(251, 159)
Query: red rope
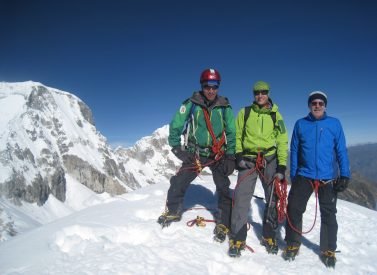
point(249, 248)
point(315, 186)
point(281, 193)
point(259, 165)
point(217, 144)
point(216, 148)
point(199, 221)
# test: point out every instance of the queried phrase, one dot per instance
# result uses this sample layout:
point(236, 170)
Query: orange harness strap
point(217, 144)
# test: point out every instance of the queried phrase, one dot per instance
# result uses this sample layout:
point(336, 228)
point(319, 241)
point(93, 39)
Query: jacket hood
point(199, 99)
point(259, 110)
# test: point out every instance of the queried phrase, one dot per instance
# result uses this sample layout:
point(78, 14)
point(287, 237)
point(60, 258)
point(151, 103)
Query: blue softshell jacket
point(318, 149)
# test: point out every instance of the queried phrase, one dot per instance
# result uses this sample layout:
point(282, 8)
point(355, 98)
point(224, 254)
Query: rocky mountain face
point(48, 136)
point(150, 159)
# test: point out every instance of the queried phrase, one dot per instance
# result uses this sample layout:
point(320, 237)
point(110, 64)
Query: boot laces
point(220, 228)
point(270, 241)
point(329, 254)
point(237, 244)
point(291, 248)
point(169, 216)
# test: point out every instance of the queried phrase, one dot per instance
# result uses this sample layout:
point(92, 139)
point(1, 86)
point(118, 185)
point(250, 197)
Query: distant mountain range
point(363, 160)
point(363, 186)
point(361, 191)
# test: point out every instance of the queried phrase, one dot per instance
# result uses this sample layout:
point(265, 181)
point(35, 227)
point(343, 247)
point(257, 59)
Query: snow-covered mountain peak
point(18, 87)
point(48, 142)
point(42, 120)
point(153, 155)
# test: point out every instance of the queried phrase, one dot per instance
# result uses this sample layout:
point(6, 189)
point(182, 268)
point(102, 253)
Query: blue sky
point(134, 62)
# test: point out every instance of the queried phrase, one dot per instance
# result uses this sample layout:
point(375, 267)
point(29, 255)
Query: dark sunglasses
point(315, 103)
point(214, 87)
point(263, 92)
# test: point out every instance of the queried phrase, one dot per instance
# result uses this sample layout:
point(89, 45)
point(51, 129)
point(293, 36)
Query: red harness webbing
point(217, 144)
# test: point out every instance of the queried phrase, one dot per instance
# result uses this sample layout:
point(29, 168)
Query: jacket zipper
point(316, 150)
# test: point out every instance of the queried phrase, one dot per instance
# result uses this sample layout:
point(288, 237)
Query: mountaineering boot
point(290, 252)
point(235, 248)
point(270, 244)
point(328, 258)
point(167, 218)
point(220, 232)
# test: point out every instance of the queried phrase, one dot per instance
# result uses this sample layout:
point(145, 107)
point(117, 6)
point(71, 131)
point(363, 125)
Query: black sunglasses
point(315, 103)
point(214, 87)
point(263, 92)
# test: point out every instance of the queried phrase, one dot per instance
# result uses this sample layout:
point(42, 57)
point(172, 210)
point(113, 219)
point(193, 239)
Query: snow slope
point(121, 236)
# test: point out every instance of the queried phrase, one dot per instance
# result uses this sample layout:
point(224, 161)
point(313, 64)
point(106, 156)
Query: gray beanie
point(317, 95)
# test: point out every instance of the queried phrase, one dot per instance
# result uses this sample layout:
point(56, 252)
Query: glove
point(243, 164)
point(280, 172)
point(183, 155)
point(229, 165)
point(341, 184)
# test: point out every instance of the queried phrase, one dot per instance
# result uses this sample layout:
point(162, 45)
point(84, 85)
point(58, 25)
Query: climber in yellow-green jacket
point(261, 150)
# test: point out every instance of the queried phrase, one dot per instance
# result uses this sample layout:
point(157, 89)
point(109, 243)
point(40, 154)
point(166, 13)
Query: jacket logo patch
point(182, 110)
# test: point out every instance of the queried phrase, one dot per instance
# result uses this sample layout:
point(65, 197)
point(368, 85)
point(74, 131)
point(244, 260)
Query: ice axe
point(270, 206)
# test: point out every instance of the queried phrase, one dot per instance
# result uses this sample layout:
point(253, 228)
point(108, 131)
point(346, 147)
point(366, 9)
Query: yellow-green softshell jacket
point(261, 134)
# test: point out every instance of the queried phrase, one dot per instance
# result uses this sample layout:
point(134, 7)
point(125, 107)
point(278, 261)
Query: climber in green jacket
point(207, 122)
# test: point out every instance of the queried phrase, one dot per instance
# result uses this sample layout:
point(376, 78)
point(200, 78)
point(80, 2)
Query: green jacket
point(221, 116)
point(261, 134)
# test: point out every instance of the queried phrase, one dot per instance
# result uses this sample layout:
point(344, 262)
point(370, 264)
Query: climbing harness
point(216, 148)
point(217, 144)
point(197, 166)
point(260, 164)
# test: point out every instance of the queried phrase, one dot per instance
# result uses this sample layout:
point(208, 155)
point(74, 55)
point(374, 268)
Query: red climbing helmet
point(210, 75)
